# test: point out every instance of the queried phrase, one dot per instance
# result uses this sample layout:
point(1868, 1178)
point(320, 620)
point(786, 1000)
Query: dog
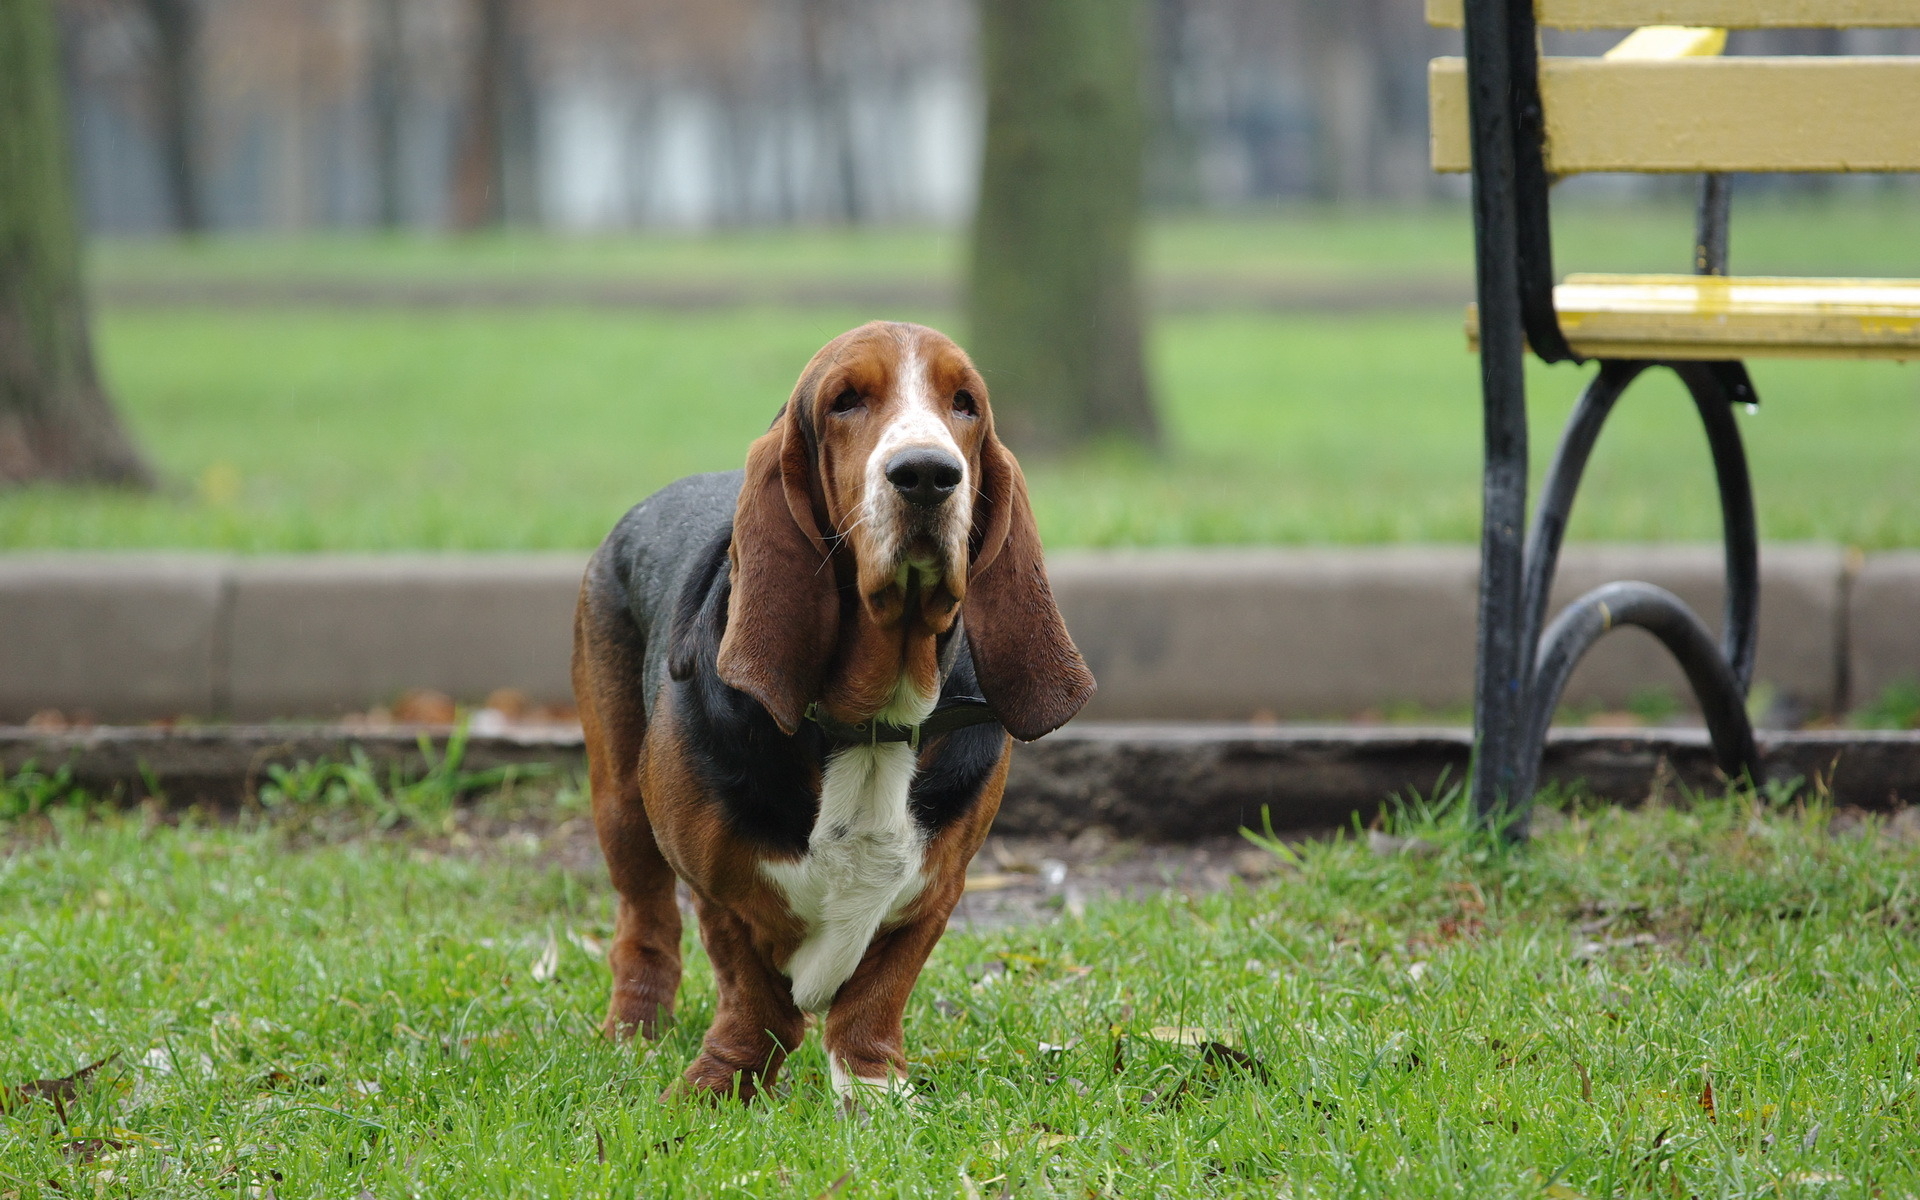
point(799, 685)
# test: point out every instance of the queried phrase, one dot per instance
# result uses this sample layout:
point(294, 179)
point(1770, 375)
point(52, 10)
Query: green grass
point(488, 430)
point(293, 429)
point(303, 1007)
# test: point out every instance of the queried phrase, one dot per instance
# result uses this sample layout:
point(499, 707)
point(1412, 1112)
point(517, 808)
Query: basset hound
point(797, 684)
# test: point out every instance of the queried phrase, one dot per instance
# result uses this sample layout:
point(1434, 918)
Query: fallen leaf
point(86, 1150)
point(424, 706)
point(1586, 950)
point(57, 1091)
point(548, 964)
point(1706, 1097)
point(1184, 1035)
point(1221, 1054)
point(985, 972)
point(1586, 1081)
point(1385, 845)
point(1811, 1139)
point(590, 946)
point(994, 882)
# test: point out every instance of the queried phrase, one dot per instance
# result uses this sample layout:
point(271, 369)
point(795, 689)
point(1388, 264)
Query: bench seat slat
point(1728, 14)
point(1707, 114)
point(1711, 317)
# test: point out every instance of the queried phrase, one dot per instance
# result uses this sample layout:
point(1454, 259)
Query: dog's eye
point(963, 404)
point(846, 401)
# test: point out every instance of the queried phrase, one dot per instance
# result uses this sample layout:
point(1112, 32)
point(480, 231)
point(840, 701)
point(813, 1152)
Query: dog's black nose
point(923, 476)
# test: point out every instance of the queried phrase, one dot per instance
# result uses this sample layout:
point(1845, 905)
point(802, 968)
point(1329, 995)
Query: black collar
point(955, 712)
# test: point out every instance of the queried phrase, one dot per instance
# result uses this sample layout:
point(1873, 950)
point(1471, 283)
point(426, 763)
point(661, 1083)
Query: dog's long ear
point(1029, 670)
point(784, 611)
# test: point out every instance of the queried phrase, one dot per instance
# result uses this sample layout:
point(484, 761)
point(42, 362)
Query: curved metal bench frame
point(1520, 670)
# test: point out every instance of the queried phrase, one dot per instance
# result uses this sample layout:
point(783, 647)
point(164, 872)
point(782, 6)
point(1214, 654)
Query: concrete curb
point(1159, 781)
point(1172, 635)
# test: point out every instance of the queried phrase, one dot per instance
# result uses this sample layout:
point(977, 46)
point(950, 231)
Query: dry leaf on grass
point(589, 945)
point(55, 1091)
point(548, 964)
point(86, 1150)
point(834, 1188)
point(997, 881)
point(1221, 1054)
point(1183, 1035)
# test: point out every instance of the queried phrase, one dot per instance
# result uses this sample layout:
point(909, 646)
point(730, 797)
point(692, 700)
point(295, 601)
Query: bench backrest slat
point(1816, 114)
point(1727, 14)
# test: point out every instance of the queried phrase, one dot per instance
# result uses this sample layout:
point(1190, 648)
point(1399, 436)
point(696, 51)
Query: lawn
point(1709, 1001)
point(315, 428)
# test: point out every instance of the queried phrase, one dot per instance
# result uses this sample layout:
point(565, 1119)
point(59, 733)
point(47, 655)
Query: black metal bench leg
point(1720, 675)
point(1667, 617)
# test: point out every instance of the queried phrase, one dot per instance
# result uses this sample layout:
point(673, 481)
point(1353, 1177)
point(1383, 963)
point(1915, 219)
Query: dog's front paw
point(712, 1079)
point(862, 1085)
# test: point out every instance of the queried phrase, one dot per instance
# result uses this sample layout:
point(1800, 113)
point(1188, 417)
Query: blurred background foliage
point(481, 273)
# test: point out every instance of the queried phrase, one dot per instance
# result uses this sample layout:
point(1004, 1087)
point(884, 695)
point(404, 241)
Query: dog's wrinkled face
point(879, 500)
point(900, 415)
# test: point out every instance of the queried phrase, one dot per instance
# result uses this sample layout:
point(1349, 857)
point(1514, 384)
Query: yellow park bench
point(1663, 100)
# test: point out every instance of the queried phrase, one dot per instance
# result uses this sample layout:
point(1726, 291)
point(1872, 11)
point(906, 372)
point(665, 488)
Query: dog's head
point(878, 509)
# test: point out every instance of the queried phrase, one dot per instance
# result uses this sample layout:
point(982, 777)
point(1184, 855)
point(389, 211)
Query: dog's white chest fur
point(863, 865)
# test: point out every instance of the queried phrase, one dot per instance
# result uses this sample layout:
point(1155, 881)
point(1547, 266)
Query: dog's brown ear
point(1029, 669)
point(783, 612)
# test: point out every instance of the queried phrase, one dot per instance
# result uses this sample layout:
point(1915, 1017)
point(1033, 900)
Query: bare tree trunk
point(1346, 85)
point(386, 100)
point(176, 95)
point(831, 107)
point(1054, 300)
point(494, 177)
point(56, 423)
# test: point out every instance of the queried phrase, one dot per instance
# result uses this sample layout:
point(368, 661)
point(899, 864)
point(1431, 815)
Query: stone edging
point(1173, 635)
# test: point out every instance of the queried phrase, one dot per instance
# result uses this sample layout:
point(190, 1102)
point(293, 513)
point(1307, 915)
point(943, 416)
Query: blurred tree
point(1054, 300)
point(386, 102)
point(826, 90)
point(176, 96)
point(55, 420)
point(494, 176)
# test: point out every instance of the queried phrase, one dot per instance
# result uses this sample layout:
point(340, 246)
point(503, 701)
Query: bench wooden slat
point(1668, 41)
point(1706, 114)
point(1728, 14)
point(1714, 317)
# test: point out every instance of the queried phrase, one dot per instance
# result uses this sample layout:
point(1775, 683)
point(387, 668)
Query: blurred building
point(710, 113)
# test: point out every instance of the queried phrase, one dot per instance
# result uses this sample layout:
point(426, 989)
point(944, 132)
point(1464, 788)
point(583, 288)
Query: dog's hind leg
point(607, 672)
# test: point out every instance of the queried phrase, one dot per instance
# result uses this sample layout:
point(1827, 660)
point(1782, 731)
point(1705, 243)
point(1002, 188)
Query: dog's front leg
point(755, 1024)
point(863, 1036)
